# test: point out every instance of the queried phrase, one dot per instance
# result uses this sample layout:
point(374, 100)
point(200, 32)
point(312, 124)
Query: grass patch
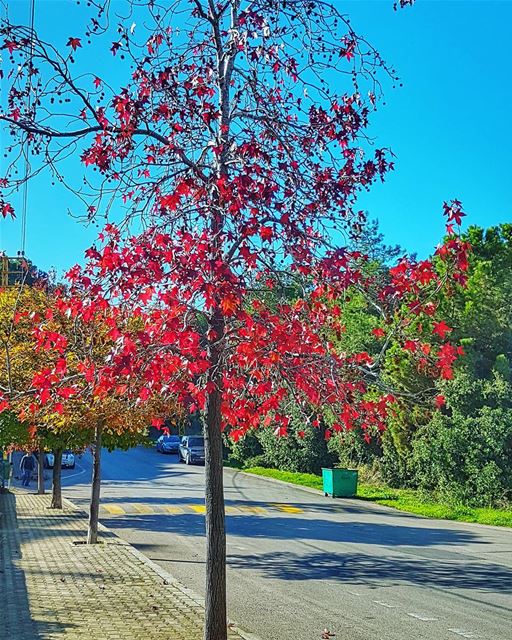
point(401, 499)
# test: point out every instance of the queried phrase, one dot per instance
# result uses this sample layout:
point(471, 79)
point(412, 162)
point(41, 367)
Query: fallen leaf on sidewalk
point(327, 634)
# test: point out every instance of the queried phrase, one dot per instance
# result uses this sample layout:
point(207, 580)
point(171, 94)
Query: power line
point(27, 146)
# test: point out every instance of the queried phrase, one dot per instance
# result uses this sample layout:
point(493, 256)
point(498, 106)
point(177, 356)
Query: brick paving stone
point(52, 588)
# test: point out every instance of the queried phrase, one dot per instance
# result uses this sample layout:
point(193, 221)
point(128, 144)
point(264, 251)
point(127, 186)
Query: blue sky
point(449, 124)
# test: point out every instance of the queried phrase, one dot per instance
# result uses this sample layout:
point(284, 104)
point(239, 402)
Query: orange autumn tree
point(54, 377)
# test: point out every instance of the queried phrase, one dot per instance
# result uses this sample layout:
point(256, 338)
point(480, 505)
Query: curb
point(235, 472)
point(162, 573)
point(368, 503)
point(371, 505)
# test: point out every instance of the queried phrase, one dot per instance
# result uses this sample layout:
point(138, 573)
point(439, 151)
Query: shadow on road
point(370, 570)
point(285, 528)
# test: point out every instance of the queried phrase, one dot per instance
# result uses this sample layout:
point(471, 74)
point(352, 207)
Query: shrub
point(467, 459)
point(247, 447)
point(306, 454)
point(255, 461)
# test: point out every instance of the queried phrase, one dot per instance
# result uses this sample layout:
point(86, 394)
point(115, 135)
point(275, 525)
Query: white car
point(68, 460)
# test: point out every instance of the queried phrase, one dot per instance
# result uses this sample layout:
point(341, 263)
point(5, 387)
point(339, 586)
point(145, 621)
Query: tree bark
point(215, 605)
point(215, 599)
point(92, 533)
point(57, 480)
point(40, 472)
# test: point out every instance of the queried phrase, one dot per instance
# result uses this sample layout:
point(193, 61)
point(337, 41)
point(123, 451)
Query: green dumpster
point(339, 483)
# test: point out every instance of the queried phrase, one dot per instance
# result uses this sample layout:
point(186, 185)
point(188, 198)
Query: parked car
point(68, 460)
point(191, 449)
point(168, 444)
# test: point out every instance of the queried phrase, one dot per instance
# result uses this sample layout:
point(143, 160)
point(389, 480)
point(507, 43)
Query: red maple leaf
point(440, 401)
point(10, 45)
point(6, 209)
point(441, 328)
point(74, 43)
point(266, 233)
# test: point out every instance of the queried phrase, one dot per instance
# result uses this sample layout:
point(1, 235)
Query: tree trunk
point(215, 600)
point(40, 472)
point(92, 533)
point(57, 480)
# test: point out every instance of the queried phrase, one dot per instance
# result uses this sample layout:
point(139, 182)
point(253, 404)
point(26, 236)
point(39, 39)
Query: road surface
point(300, 563)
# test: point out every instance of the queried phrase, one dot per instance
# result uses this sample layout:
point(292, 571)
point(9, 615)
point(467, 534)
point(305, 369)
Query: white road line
point(463, 633)
point(385, 604)
point(72, 475)
point(354, 593)
point(422, 618)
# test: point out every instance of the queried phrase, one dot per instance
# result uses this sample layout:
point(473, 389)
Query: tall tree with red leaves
point(236, 149)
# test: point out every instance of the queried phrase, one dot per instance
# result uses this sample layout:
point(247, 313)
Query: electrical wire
point(27, 146)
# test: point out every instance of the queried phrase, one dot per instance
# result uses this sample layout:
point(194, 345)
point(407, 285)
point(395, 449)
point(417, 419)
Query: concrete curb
point(162, 573)
point(368, 503)
point(359, 501)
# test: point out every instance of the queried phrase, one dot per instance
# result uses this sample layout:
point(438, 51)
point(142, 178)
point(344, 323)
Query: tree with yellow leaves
point(68, 372)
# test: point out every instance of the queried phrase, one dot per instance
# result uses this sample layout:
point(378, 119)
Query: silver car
point(191, 450)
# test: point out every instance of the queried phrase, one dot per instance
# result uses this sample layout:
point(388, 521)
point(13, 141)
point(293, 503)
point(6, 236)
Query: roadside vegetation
point(453, 460)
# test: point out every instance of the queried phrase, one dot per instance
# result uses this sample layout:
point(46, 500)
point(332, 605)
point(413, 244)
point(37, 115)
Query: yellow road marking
point(141, 508)
point(198, 508)
point(287, 508)
point(173, 510)
point(251, 509)
point(114, 509)
point(232, 510)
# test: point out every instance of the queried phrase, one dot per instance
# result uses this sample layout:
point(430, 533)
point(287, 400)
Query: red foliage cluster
point(245, 169)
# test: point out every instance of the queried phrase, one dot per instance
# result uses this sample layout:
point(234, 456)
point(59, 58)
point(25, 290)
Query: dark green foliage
point(262, 448)
point(351, 450)
point(463, 453)
point(246, 448)
point(467, 459)
point(256, 461)
point(12, 432)
point(481, 314)
point(306, 454)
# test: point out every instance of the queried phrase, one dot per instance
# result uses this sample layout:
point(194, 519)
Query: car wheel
point(72, 466)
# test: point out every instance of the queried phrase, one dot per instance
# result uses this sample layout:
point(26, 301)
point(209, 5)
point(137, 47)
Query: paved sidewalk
point(53, 586)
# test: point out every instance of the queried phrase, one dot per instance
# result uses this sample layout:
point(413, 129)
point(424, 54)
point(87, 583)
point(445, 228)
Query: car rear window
point(171, 439)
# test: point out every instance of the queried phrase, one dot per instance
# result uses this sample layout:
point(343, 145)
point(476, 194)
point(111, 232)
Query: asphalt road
point(299, 562)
